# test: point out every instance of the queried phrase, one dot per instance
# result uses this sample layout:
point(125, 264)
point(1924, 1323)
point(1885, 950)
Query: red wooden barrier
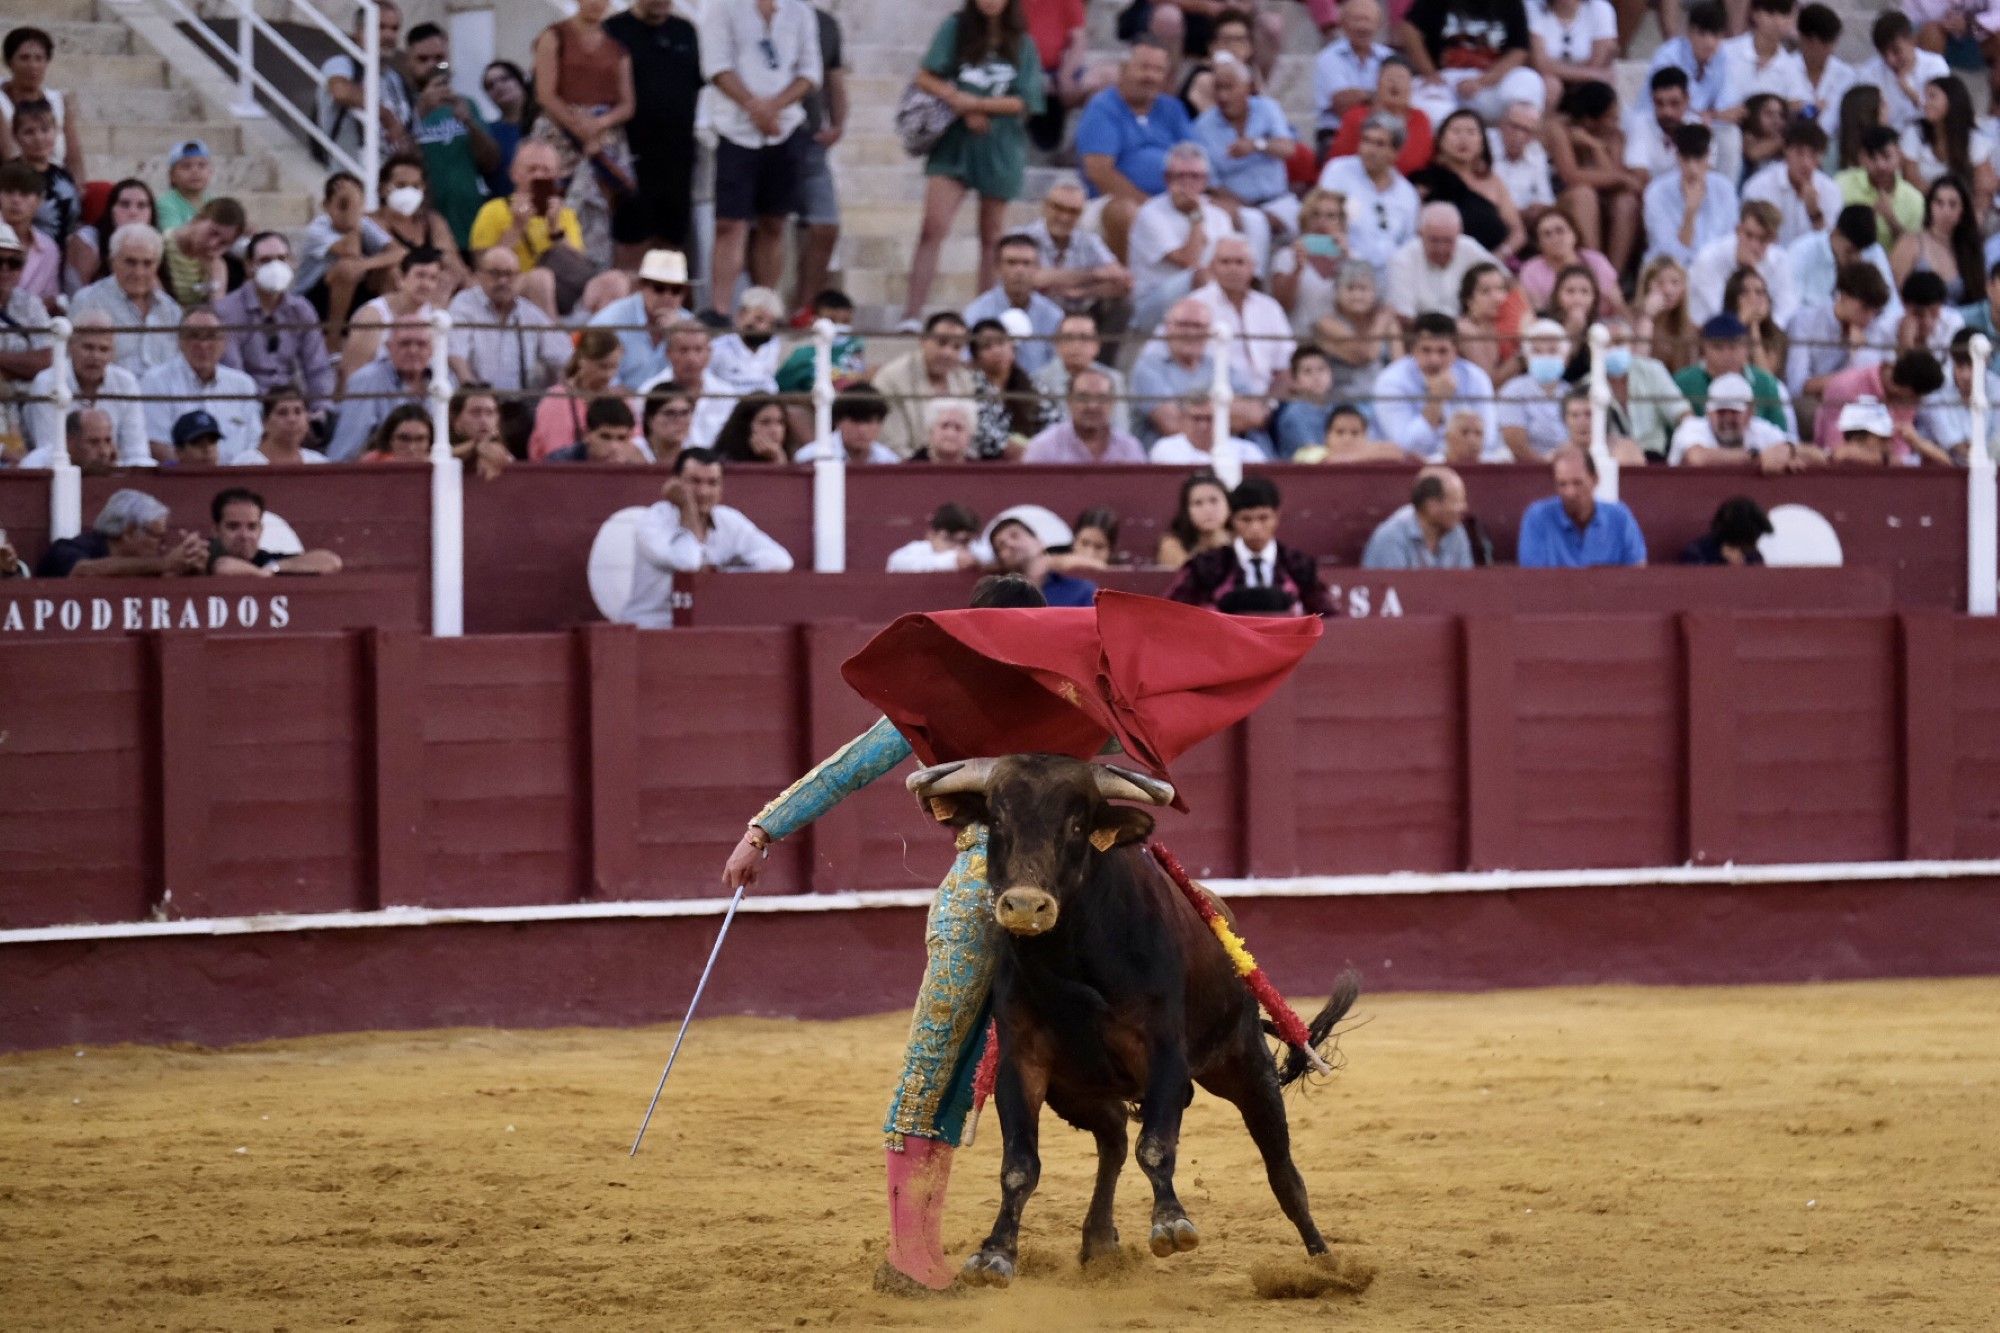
point(229, 775)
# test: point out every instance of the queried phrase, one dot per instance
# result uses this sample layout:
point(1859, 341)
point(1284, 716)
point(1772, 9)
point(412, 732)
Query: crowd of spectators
point(1780, 245)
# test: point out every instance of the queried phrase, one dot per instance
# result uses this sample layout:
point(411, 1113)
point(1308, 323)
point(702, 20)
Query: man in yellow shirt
point(1879, 183)
point(532, 221)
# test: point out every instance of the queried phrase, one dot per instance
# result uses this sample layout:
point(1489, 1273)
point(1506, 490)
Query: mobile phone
point(1321, 246)
point(541, 192)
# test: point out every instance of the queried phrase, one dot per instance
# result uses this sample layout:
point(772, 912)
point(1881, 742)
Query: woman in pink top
point(591, 372)
point(1556, 239)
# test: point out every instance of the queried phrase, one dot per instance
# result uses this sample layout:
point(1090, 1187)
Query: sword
point(720, 936)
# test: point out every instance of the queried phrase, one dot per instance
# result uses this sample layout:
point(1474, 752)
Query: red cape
point(1158, 676)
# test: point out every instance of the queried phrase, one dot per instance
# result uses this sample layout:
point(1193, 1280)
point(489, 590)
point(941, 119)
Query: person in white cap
point(644, 319)
point(25, 348)
point(1729, 436)
point(1020, 539)
point(1870, 437)
point(1531, 404)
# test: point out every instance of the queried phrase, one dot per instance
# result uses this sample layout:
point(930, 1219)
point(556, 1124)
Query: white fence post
point(245, 106)
point(1600, 415)
point(830, 470)
point(1982, 546)
point(1227, 463)
point(447, 494)
point(371, 106)
point(66, 478)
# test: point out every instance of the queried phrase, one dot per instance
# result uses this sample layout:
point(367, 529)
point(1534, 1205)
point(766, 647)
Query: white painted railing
point(1600, 415)
point(1982, 532)
point(447, 494)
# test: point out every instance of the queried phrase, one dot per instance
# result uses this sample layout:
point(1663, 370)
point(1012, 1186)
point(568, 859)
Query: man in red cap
point(1010, 676)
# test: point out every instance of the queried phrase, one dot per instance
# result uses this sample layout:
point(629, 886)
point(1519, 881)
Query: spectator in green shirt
point(458, 152)
point(1879, 183)
point(1725, 350)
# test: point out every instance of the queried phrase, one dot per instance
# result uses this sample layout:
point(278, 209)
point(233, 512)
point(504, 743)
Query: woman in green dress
point(984, 65)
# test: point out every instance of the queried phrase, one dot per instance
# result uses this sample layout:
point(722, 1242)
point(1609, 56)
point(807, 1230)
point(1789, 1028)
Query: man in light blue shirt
point(1017, 258)
point(648, 315)
point(1345, 71)
point(1699, 56)
point(1418, 396)
point(1573, 529)
point(1691, 207)
point(1247, 139)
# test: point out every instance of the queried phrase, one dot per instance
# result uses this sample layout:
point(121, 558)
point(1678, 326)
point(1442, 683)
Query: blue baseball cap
point(186, 149)
point(1723, 327)
point(196, 425)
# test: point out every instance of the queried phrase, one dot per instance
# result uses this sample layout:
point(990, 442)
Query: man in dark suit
point(1256, 559)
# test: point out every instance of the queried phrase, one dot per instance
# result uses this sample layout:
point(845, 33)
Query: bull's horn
point(964, 775)
point(1122, 784)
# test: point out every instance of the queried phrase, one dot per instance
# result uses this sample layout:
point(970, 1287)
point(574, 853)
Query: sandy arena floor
point(1822, 1157)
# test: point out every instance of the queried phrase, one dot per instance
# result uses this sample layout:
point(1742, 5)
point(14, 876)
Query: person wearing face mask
point(1530, 411)
point(272, 335)
point(406, 214)
point(746, 361)
point(1646, 403)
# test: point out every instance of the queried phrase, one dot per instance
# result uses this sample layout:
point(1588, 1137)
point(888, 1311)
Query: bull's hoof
point(986, 1269)
point(1099, 1248)
point(1174, 1237)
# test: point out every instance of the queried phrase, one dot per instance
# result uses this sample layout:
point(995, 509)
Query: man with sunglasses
point(196, 380)
point(273, 336)
point(25, 349)
point(645, 318)
point(500, 339)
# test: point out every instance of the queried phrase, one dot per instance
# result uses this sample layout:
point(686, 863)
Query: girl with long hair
point(591, 372)
point(1574, 303)
point(1461, 174)
point(758, 431)
point(506, 85)
point(1764, 122)
point(1200, 522)
point(1948, 244)
point(403, 437)
point(583, 80)
point(1662, 328)
point(1559, 245)
point(1748, 297)
point(1011, 410)
point(1860, 111)
point(1482, 294)
point(130, 200)
point(1945, 141)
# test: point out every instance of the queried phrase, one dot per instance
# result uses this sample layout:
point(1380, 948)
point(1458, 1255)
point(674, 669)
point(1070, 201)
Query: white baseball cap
point(1866, 416)
point(1730, 391)
point(1050, 530)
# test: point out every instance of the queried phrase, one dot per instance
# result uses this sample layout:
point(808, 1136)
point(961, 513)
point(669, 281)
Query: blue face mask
point(1545, 369)
point(1617, 360)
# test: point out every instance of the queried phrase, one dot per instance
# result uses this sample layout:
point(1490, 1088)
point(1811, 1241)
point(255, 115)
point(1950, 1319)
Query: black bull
point(1109, 990)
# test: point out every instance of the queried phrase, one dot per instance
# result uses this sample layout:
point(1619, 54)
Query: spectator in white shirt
point(858, 414)
point(91, 375)
point(1173, 237)
point(1750, 247)
point(1817, 257)
point(1381, 205)
point(1827, 339)
point(1344, 73)
point(1806, 198)
point(197, 379)
point(949, 543)
point(286, 430)
point(1262, 344)
point(87, 437)
point(1194, 445)
point(1692, 206)
point(133, 299)
point(1929, 320)
point(1425, 273)
point(1521, 163)
point(745, 360)
point(1727, 435)
point(1759, 61)
point(1828, 77)
point(1900, 69)
point(1573, 41)
point(1948, 139)
point(690, 529)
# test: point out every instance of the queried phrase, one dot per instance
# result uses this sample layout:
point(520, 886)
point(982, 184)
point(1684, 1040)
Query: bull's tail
point(1320, 1031)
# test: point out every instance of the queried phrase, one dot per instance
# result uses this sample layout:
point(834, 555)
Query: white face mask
point(274, 276)
point(405, 200)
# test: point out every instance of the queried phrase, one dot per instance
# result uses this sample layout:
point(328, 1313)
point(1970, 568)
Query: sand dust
point(1820, 1157)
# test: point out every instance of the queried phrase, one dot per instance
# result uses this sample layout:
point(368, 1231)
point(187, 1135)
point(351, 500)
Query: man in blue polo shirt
point(1123, 136)
point(1573, 529)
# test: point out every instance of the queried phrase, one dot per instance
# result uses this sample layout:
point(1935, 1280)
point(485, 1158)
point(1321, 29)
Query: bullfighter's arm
point(846, 771)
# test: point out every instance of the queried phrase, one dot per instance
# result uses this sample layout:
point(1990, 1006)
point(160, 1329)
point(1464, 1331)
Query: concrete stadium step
point(142, 106)
point(90, 73)
point(87, 37)
point(48, 13)
point(139, 141)
point(279, 210)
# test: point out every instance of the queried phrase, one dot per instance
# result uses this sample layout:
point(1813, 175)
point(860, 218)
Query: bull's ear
point(1117, 824)
point(957, 809)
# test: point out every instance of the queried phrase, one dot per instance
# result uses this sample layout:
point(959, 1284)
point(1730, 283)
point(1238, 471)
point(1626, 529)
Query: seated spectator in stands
point(1981, 317)
point(608, 428)
point(93, 381)
point(1173, 237)
point(1573, 42)
point(21, 199)
point(1521, 163)
point(1949, 246)
point(131, 298)
point(1946, 416)
point(501, 340)
point(1394, 81)
point(1725, 350)
point(1381, 204)
point(1728, 436)
point(1011, 412)
point(89, 440)
point(1929, 321)
point(287, 428)
point(1075, 268)
point(1750, 247)
point(404, 436)
point(1303, 273)
point(1732, 535)
point(850, 354)
point(1573, 529)
point(1697, 56)
point(1124, 135)
point(237, 546)
point(1425, 273)
point(1806, 198)
point(539, 228)
point(26, 350)
point(1255, 558)
point(1182, 362)
point(1900, 68)
point(344, 251)
point(1077, 346)
point(417, 295)
point(1947, 140)
point(745, 360)
point(1558, 248)
point(28, 53)
point(1095, 543)
point(1194, 446)
point(1021, 539)
point(690, 529)
point(858, 413)
point(688, 344)
point(934, 368)
point(1900, 387)
point(128, 539)
point(1530, 413)
point(373, 391)
point(1200, 522)
point(758, 431)
point(1760, 62)
point(1828, 77)
point(947, 544)
point(1879, 183)
point(1346, 69)
point(1248, 142)
point(1428, 532)
point(1088, 435)
point(1870, 437)
point(666, 422)
point(197, 379)
point(411, 220)
point(1460, 174)
point(1416, 397)
point(476, 440)
point(1016, 261)
point(644, 319)
point(1576, 429)
point(1818, 257)
point(949, 424)
point(1470, 53)
point(1361, 334)
point(1299, 421)
point(190, 171)
point(1347, 441)
point(269, 333)
point(1692, 206)
point(1826, 339)
point(591, 373)
point(199, 264)
point(1646, 402)
point(1261, 343)
point(197, 440)
point(1650, 128)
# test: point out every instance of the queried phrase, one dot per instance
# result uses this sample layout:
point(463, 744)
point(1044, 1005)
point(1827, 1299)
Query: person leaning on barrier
point(128, 539)
point(690, 529)
point(237, 546)
point(1732, 535)
point(1726, 435)
point(950, 542)
point(1428, 532)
